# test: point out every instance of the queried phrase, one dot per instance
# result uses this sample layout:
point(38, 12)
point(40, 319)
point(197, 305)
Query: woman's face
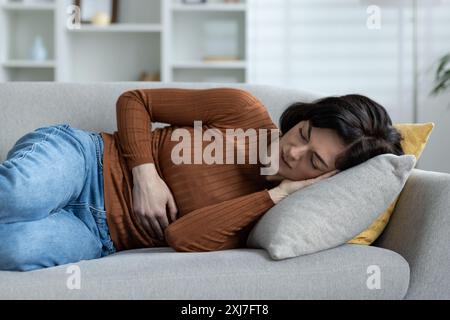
point(307, 152)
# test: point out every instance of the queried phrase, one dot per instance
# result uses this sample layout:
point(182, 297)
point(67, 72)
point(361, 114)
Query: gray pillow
point(333, 211)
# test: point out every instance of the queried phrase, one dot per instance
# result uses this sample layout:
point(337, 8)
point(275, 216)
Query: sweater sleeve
point(218, 107)
point(220, 226)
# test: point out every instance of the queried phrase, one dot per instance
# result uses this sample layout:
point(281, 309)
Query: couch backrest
point(26, 106)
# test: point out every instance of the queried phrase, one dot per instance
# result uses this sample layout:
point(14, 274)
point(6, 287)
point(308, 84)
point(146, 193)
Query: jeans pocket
point(103, 229)
point(95, 219)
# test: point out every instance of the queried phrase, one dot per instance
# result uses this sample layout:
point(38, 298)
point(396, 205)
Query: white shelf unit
point(118, 52)
point(17, 6)
point(29, 64)
point(177, 6)
point(198, 31)
point(20, 23)
point(210, 65)
point(165, 37)
point(122, 27)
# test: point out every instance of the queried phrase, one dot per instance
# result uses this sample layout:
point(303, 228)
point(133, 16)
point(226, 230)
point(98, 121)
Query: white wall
point(433, 43)
point(326, 46)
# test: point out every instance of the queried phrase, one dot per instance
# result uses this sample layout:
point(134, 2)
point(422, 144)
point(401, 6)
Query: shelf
point(240, 64)
point(120, 27)
point(209, 75)
point(29, 64)
point(157, 36)
point(210, 7)
point(29, 6)
point(113, 56)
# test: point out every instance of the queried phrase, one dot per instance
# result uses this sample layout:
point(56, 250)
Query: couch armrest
point(419, 230)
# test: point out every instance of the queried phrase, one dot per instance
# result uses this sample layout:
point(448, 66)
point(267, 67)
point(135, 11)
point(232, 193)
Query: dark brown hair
point(364, 126)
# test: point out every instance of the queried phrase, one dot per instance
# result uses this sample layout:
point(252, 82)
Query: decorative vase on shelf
point(38, 51)
point(146, 76)
point(101, 19)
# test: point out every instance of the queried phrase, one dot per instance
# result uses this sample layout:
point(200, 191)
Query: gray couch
point(412, 254)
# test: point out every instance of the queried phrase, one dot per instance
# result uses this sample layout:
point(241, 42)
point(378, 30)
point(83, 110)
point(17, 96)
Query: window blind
point(330, 47)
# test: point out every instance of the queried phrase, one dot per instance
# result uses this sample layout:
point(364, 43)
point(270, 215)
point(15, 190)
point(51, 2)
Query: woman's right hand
point(151, 197)
point(286, 187)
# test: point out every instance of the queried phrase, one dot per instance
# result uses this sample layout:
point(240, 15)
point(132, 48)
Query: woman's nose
point(296, 152)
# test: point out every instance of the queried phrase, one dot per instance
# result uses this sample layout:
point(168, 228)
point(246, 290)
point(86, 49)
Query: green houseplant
point(442, 76)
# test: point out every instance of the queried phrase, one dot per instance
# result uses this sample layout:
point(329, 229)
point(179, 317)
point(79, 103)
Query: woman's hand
point(286, 187)
point(151, 197)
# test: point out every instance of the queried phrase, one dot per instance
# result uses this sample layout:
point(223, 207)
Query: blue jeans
point(52, 209)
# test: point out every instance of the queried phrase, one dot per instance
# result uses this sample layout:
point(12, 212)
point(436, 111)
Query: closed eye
point(301, 134)
point(303, 137)
point(312, 164)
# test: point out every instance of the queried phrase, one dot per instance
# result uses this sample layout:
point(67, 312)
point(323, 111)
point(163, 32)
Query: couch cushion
point(415, 137)
point(332, 211)
point(161, 273)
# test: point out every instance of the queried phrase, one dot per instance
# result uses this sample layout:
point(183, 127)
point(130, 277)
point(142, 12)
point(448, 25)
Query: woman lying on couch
point(68, 194)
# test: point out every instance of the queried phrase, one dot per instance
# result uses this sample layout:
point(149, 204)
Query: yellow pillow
point(415, 137)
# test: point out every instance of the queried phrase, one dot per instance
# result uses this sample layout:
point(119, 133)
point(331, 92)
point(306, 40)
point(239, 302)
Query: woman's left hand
point(287, 187)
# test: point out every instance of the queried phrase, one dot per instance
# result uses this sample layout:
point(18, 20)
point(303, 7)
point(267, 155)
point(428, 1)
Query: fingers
point(154, 226)
point(327, 175)
point(292, 185)
point(157, 228)
point(146, 226)
point(172, 209)
point(321, 177)
point(163, 222)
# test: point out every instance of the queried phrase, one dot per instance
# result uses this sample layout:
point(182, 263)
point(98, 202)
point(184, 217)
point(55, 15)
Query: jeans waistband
point(99, 145)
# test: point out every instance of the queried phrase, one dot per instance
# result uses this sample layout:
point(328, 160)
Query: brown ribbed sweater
point(218, 204)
